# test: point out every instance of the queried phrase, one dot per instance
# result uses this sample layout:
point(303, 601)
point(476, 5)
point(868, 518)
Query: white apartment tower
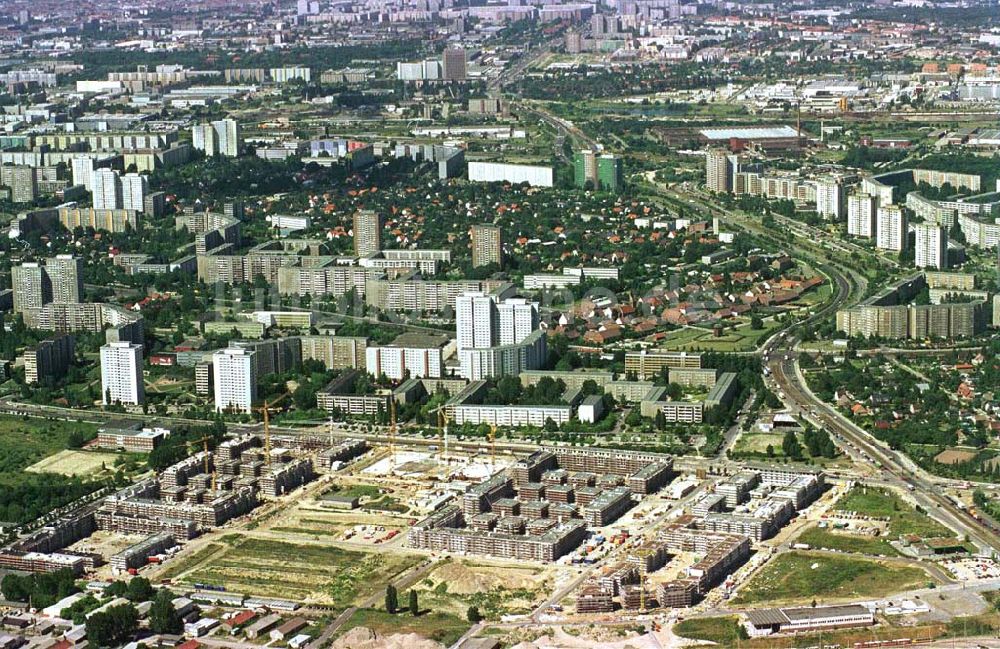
point(135, 188)
point(121, 374)
point(830, 203)
point(861, 209)
point(475, 321)
point(203, 139)
point(518, 319)
point(107, 189)
point(83, 171)
point(890, 231)
point(222, 137)
point(720, 167)
point(235, 379)
point(931, 250)
point(66, 276)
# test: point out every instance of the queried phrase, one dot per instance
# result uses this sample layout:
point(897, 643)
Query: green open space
point(724, 630)
point(352, 491)
point(25, 440)
point(27, 496)
point(301, 572)
point(854, 543)
point(440, 627)
point(903, 518)
point(799, 577)
point(186, 561)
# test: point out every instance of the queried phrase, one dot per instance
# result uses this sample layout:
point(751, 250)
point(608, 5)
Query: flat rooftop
point(750, 133)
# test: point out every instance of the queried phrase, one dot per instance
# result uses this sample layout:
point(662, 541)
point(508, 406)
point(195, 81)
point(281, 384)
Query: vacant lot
point(24, 441)
point(313, 573)
point(820, 538)
point(496, 590)
point(724, 630)
point(74, 463)
point(440, 627)
point(904, 519)
point(798, 577)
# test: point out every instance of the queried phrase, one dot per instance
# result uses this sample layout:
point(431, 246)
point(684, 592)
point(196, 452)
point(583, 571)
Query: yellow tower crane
point(493, 447)
point(392, 436)
point(204, 440)
point(266, 410)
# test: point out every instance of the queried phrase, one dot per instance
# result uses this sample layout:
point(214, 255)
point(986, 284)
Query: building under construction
point(205, 490)
point(541, 508)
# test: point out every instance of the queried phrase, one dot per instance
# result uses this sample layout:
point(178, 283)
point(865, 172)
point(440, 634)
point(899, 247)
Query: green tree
point(391, 600)
point(163, 616)
point(112, 627)
point(139, 590)
point(414, 605)
point(473, 615)
point(756, 322)
point(791, 447)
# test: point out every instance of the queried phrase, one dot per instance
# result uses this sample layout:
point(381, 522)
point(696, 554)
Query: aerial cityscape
point(482, 324)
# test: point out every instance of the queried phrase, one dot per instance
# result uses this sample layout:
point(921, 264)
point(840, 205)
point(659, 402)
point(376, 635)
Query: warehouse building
point(770, 621)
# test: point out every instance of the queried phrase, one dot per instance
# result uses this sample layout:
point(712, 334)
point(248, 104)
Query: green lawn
point(803, 576)
point(723, 630)
point(820, 538)
point(905, 519)
point(302, 572)
point(440, 627)
point(353, 491)
point(24, 441)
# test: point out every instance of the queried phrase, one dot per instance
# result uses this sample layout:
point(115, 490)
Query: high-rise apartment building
point(610, 173)
point(106, 186)
point(48, 359)
point(517, 319)
point(861, 210)
point(32, 287)
point(604, 172)
point(59, 280)
point(83, 171)
point(121, 374)
point(890, 230)
point(23, 183)
point(475, 321)
point(497, 337)
point(228, 135)
point(222, 137)
point(234, 375)
point(135, 188)
point(66, 277)
point(487, 246)
point(931, 246)
point(585, 168)
point(367, 233)
point(453, 67)
point(830, 199)
point(720, 166)
point(203, 139)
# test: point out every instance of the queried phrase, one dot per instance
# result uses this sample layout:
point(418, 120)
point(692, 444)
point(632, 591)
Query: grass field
point(25, 441)
point(301, 572)
point(795, 577)
point(74, 463)
point(819, 538)
point(440, 627)
point(741, 338)
point(758, 443)
point(723, 630)
point(186, 562)
point(904, 519)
